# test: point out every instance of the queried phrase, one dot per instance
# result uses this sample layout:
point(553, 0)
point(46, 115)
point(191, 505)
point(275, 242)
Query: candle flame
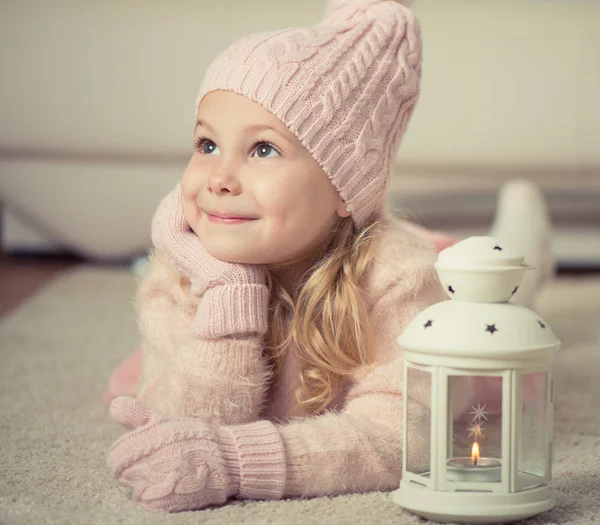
point(475, 453)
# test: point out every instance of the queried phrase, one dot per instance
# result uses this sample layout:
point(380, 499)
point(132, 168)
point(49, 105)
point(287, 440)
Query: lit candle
point(474, 469)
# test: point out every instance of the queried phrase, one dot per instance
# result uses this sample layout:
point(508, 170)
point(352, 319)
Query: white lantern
point(478, 403)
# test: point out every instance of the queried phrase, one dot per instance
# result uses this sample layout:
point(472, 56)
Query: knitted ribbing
point(255, 459)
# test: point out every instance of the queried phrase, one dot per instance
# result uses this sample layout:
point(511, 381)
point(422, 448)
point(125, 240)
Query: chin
point(225, 253)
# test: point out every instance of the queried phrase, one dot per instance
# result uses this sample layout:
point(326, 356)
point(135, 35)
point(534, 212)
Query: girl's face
point(247, 163)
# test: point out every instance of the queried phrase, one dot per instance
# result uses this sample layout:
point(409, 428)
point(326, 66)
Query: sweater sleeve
point(360, 447)
point(222, 381)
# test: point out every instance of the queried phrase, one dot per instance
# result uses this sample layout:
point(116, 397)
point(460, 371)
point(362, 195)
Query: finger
point(129, 412)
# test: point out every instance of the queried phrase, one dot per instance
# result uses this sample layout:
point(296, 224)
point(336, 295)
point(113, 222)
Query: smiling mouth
point(221, 220)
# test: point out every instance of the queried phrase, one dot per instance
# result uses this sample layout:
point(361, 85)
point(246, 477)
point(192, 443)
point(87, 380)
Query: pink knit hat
point(346, 88)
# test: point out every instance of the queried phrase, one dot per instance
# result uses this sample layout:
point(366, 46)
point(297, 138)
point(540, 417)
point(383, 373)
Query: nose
point(224, 179)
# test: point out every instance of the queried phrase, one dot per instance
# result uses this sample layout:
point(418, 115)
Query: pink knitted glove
point(234, 297)
point(179, 463)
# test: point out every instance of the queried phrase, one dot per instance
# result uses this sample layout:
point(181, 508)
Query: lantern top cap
point(481, 269)
point(480, 253)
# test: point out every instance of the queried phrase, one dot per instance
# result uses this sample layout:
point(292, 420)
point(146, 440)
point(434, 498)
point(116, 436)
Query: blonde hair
point(328, 324)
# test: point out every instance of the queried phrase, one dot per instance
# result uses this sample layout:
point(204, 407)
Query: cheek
point(287, 198)
point(294, 221)
point(190, 180)
point(297, 206)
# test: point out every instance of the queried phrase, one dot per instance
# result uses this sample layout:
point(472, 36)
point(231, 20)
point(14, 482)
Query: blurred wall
point(98, 100)
point(509, 83)
point(506, 82)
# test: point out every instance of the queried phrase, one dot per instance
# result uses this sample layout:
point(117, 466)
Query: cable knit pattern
point(175, 463)
point(346, 88)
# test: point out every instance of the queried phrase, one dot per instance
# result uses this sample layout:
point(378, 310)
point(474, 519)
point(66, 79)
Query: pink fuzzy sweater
point(356, 444)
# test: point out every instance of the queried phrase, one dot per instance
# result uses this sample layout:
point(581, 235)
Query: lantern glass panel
point(533, 460)
point(475, 441)
point(418, 421)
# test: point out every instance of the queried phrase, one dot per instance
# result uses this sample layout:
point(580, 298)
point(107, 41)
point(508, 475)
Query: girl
point(279, 282)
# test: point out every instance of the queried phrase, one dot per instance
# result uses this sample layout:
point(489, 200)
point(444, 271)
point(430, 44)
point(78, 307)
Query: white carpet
point(57, 350)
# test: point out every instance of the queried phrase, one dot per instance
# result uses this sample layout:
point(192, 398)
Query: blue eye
point(205, 146)
point(263, 149)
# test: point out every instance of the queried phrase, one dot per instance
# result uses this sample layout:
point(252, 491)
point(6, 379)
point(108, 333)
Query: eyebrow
point(253, 127)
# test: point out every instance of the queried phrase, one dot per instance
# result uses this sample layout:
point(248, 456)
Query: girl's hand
point(234, 297)
point(171, 463)
point(172, 235)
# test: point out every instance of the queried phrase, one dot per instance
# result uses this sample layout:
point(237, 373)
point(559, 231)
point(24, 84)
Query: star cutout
point(491, 328)
point(475, 431)
point(515, 290)
point(498, 248)
point(542, 324)
point(479, 413)
point(428, 324)
point(450, 289)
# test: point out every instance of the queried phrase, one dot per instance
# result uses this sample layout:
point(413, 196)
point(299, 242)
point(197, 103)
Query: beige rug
point(58, 348)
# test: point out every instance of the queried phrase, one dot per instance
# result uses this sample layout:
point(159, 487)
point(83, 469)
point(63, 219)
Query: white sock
point(522, 221)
